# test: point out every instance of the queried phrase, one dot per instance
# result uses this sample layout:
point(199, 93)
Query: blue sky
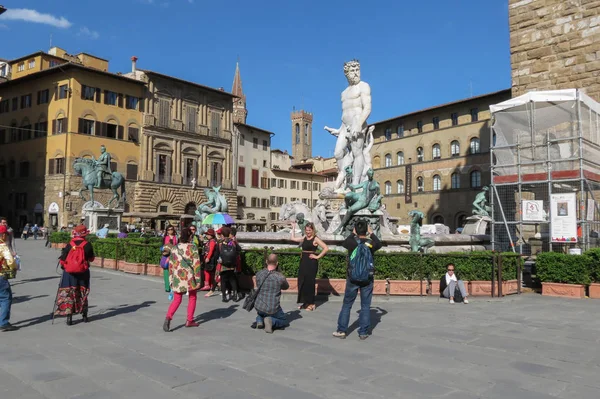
point(414, 54)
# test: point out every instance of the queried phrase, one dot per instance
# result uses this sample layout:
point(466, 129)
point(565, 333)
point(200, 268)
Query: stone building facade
point(435, 160)
point(555, 44)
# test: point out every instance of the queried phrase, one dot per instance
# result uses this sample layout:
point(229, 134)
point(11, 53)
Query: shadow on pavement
point(123, 309)
point(293, 316)
point(214, 314)
point(33, 321)
point(34, 280)
point(376, 315)
point(25, 298)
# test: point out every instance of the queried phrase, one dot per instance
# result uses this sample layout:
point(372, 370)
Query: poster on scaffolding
point(563, 213)
point(533, 211)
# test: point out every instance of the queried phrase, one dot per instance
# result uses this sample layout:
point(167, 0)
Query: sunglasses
point(450, 270)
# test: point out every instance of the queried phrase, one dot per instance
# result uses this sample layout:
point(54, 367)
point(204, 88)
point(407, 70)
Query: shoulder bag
point(251, 298)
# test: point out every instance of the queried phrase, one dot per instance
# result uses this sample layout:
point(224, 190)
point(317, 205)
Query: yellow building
point(435, 160)
point(55, 108)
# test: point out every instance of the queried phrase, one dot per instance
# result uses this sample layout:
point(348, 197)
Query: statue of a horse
point(417, 243)
point(86, 169)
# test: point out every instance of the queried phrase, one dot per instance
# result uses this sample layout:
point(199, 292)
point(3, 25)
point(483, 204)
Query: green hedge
point(553, 267)
point(395, 266)
point(594, 255)
point(60, 237)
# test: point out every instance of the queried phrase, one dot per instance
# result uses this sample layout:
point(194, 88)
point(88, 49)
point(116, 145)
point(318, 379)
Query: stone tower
point(240, 113)
point(301, 135)
point(554, 44)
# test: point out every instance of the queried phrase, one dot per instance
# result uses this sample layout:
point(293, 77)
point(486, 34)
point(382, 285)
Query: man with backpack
point(229, 251)
point(74, 288)
point(361, 246)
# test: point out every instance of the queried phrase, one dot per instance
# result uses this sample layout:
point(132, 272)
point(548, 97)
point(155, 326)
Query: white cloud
point(23, 14)
point(85, 31)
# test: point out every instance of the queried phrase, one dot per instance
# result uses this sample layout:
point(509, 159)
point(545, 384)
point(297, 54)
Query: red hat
point(220, 231)
point(3, 229)
point(80, 230)
point(210, 232)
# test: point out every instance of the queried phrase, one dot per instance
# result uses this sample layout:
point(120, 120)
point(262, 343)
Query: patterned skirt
point(72, 296)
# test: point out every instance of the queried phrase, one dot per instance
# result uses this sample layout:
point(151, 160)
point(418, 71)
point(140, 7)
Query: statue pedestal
point(96, 216)
point(374, 219)
point(476, 225)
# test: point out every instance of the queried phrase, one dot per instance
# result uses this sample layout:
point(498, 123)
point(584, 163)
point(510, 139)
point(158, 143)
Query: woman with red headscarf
point(74, 288)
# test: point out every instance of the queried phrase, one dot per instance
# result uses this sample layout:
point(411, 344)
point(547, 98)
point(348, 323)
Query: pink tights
point(177, 301)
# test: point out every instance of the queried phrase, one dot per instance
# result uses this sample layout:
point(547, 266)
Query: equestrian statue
point(96, 174)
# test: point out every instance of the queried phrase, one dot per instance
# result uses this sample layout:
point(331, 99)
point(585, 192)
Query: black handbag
point(251, 298)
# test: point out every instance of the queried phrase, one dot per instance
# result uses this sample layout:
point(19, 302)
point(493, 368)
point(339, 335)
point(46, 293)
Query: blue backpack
point(361, 269)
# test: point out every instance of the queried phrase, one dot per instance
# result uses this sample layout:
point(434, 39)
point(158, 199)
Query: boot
point(224, 297)
point(85, 318)
point(236, 296)
point(70, 320)
point(167, 325)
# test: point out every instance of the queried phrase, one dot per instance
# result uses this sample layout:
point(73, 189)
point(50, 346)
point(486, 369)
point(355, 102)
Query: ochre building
point(435, 160)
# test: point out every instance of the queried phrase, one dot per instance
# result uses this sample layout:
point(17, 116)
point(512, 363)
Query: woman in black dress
point(309, 264)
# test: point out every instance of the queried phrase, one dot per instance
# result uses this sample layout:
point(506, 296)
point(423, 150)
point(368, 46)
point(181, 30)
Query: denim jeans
point(364, 319)
point(5, 301)
point(279, 320)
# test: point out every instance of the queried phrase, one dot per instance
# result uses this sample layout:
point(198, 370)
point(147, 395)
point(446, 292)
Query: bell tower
point(240, 113)
point(301, 135)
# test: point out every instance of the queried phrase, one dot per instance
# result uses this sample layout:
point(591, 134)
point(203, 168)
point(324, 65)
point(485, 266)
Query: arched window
point(306, 133)
point(474, 146)
point(455, 148)
point(437, 183)
point(420, 156)
point(400, 158)
point(388, 187)
point(400, 186)
point(388, 160)
point(436, 152)
point(438, 219)
point(455, 180)
point(376, 162)
point(475, 179)
point(297, 133)
point(420, 184)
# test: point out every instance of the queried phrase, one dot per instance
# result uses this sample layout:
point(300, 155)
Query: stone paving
point(517, 347)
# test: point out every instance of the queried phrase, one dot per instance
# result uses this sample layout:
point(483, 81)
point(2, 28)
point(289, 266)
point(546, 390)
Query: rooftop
point(504, 91)
point(255, 128)
point(161, 75)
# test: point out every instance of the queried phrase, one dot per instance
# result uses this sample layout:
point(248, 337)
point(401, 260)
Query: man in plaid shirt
point(270, 316)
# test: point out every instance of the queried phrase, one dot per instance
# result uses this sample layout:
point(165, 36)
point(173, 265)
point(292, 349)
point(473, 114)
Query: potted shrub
point(399, 274)
point(510, 284)
point(594, 256)
point(563, 275)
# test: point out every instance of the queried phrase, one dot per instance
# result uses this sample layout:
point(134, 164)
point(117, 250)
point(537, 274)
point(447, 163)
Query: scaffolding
point(545, 149)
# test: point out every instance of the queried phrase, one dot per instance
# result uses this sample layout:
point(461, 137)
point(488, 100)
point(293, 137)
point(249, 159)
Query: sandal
point(311, 308)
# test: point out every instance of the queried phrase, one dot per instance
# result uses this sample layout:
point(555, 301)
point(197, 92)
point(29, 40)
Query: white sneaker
point(451, 301)
point(466, 301)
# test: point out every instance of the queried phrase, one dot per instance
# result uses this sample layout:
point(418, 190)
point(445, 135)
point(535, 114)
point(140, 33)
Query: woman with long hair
point(210, 255)
point(309, 264)
point(74, 288)
point(169, 239)
point(184, 277)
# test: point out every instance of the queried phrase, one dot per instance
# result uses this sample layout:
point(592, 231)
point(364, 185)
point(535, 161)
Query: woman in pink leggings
point(184, 276)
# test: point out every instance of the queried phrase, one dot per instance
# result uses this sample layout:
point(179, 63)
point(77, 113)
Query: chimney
point(133, 62)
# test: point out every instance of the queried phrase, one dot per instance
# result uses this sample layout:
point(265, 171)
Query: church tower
point(240, 113)
point(301, 135)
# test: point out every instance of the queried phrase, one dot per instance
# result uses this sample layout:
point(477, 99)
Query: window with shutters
point(474, 146)
point(43, 96)
point(388, 187)
point(420, 155)
point(420, 126)
point(293, 185)
point(254, 142)
point(455, 180)
point(86, 126)
point(216, 174)
point(436, 122)
point(164, 168)
point(264, 203)
point(215, 123)
point(455, 148)
point(63, 91)
point(41, 129)
point(265, 145)
point(316, 187)
point(255, 178)
point(25, 132)
point(60, 126)
point(56, 166)
point(110, 97)
point(191, 119)
point(88, 93)
point(304, 185)
point(400, 158)
point(273, 184)
point(241, 176)
point(31, 64)
point(26, 101)
point(24, 169)
point(475, 179)
point(133, 134)
point(4, 106)
point(400, 131)
point(111, 130)
point(131, 102)
point(454, 117)
point(190, 170)
point(400, 186)
point(264, 183)
point(437, 183)
point(164, 112)
point(436, 151)
point(388, 160)
point(132, 171)
point(474, 114)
